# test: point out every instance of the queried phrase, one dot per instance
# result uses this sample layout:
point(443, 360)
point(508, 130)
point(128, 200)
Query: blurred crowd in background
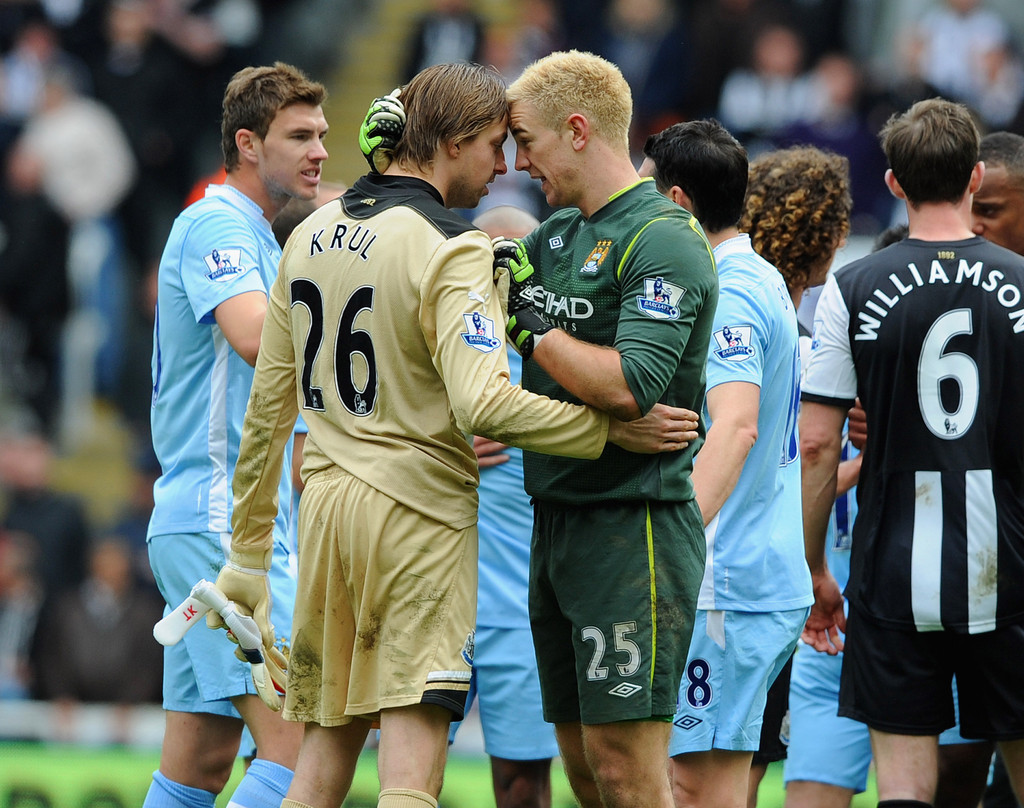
point(109, 116)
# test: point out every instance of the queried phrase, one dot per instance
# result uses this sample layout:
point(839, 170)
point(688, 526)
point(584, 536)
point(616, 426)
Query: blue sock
point(264, 786)
point(164, 793)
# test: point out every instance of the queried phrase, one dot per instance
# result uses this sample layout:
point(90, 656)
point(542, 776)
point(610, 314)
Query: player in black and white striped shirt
point(929, 333)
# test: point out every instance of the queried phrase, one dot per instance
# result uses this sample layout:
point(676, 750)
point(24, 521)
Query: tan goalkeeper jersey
point(384, 331)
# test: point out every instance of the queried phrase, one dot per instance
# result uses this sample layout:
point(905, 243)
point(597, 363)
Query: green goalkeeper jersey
point(638, 275)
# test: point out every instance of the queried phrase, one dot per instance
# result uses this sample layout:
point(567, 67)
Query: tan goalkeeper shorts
point(385, 608)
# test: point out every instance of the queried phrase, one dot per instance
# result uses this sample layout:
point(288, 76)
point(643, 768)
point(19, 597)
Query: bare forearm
point(818, 478)
point(820, 447)
point(241, 320)
point(733, 407)
point(849, 473)
point(818, 495)
point(719, 465)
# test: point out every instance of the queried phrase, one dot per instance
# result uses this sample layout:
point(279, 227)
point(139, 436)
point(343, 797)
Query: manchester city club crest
point(733, 343)
point(596, 257)
point(660, 299)
point(479, 333)
point(223, 264)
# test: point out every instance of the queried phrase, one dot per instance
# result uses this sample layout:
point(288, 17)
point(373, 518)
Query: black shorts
point(900, 681)
point(772, 747)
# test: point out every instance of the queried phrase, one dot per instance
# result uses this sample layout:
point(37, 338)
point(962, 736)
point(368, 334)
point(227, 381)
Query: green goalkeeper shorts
point(613, 592)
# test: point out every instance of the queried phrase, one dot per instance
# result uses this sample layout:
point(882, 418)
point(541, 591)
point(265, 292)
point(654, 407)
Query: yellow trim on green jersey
point(696, 227)
point(619, 193)
point(629, 249)
point(662, 359)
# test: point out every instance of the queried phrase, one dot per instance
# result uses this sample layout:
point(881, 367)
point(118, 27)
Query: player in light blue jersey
point(756, 590)
point(750, 627)
point(505, 680)
point(797, 214)
point(219, 262)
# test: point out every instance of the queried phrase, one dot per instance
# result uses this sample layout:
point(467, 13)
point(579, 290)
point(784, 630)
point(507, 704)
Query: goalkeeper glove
point(243, 581)
point(381, 130)
point(525, 326)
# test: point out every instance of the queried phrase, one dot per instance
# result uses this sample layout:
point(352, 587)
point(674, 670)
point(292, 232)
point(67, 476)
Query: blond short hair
point(568, 82)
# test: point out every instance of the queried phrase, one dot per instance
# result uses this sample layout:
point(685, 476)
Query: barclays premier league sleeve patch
point(660, 298)
point(479, 333)
point(223, 265)
point(733, 343)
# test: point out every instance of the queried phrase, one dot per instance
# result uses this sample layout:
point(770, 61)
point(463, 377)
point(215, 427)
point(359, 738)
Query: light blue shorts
point(734, 658)
point(506, 683)
point(201, 673)
point(823, 746)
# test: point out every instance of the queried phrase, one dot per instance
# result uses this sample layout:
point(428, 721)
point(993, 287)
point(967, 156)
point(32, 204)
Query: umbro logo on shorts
point(624, 690)
point(688, 722)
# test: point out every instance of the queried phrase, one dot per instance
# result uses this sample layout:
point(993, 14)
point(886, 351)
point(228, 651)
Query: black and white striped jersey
point(930, 336)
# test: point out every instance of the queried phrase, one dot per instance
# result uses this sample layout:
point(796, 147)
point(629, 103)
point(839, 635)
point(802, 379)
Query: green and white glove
point(525, 326)
point(381, 130)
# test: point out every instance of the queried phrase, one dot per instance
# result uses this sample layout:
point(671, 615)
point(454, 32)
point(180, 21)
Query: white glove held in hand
point(243, 580)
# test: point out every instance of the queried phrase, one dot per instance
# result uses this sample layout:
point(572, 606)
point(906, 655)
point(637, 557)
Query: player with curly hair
point(797, 212)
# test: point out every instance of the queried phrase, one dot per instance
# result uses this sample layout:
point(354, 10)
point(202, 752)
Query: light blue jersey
point(505, 526)
point(756, 588)
point(219, 247)
point(755, 549)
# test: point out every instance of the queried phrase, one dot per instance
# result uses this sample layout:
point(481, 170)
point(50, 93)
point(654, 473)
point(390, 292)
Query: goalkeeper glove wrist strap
point(247, 570)
point(253, 562)
point(525, 328)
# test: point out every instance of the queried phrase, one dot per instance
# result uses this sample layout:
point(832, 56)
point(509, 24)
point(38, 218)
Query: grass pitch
point(54, 776)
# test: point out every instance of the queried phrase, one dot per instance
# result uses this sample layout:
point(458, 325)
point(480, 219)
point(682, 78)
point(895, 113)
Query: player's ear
point(681, 198)
point(245, 141)
point(894, 185)
point(977, 176)
point(579, 129)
